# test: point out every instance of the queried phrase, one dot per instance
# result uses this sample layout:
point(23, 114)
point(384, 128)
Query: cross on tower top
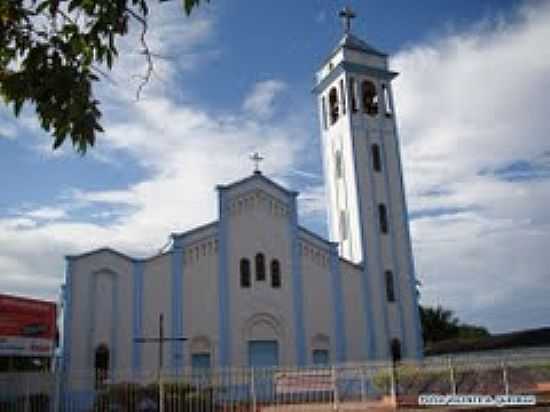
point(256, 159)
point(346, 14)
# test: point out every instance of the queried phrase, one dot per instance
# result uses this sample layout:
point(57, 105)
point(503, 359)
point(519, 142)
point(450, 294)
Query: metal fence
point(346, 387)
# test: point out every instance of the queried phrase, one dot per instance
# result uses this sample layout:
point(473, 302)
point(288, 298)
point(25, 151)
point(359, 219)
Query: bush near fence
point(177, 396)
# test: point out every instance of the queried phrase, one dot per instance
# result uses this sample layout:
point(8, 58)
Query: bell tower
point(367, 213)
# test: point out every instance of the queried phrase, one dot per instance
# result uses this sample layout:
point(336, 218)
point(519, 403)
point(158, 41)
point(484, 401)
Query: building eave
point(347, 67)
point(258, 175)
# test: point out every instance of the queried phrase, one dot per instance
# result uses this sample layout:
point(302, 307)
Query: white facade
point(332, 303)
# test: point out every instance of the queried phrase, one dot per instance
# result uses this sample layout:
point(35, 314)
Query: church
point(255, 288)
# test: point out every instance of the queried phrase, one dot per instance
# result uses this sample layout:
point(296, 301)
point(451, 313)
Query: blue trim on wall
point(77, 400)
point(114, 326)
point(137, 314)
point(177, 304)
point(297, 286)
point(370, 341)
point(396, 267)
point(339, 317)
point(405, 216)
point(67, 314)
point(224, 352)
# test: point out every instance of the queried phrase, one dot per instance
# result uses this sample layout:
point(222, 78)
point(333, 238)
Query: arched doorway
point(395, 350)
point(101, 364)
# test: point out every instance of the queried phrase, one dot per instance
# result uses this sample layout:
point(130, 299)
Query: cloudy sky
point(473, 105)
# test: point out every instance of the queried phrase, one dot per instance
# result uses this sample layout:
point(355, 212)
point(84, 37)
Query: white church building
point(255, 288)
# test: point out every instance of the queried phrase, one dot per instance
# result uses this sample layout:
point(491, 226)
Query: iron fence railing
point(352, 386)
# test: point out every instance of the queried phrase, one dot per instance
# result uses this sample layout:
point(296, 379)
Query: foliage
point(409, 377)
point(440, 324)
point(52, 52)
point(129, 397)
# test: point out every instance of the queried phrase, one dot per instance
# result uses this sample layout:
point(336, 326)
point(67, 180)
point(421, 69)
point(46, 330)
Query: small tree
point(440, 324)
point(52, 52)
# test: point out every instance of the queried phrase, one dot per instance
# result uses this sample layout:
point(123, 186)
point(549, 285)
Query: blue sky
point(471, 102)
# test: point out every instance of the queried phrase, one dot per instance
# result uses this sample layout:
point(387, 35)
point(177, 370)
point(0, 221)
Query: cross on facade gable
point(346, 14)
point(256, 159)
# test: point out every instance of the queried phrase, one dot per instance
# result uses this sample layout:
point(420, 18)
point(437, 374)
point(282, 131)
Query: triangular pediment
point(260, 186)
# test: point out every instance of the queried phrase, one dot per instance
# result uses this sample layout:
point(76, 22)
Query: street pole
point(160, 345)
point(161, 339)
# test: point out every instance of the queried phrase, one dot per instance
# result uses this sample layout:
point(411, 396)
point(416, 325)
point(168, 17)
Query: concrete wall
point(259, 222)
point(360, 190)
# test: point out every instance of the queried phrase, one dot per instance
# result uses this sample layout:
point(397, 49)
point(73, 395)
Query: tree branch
point(146, 51)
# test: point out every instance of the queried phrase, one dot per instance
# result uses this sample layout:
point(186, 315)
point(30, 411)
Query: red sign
point(27, 326)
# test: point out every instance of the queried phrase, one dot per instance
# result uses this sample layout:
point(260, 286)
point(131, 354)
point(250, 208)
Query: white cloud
point(470, 103)
point(46, 213)
point(184, 151)
point(261, 101)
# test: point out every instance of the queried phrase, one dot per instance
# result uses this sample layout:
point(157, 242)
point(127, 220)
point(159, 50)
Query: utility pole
point(161, 339)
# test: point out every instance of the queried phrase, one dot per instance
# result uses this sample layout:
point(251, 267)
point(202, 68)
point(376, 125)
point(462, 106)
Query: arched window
point(390, 292)
point(245, 273)
point(333, 105)
point(101, 365)
point(338, 163)
point(275, 274)
point(376, 160)
point(395, 350)
point(343, 96)
point(260, 267)
point(387, 101)
point(383, 217)
point(370, 98)
point(353, 98)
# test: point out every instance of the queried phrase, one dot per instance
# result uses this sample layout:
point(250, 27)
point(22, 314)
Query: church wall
point(259, 221)
point(355, 322)
point(340, 197)
point(200, 295)
point(318, 301)
point(387, 251)
point(357, 57)
point(101, 312)
point(376, 246)
point(382, 187)
point(156, 300)
point(359, 187)
point(405, 274)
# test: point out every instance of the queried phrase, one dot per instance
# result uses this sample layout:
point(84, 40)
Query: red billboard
point(27, 326)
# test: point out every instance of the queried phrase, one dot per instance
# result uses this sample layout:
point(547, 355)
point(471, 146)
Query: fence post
point(335, 388)
point(363, 385)
point(56, 405)
point(161, 394)
point(26, 408)
point(505, 378)
point(393, 389)
point(452, 375)
point(253, 389)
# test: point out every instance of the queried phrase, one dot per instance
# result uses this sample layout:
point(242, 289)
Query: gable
point(259, 186)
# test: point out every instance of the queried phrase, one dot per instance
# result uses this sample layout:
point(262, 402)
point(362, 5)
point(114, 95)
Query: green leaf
point(18, 105)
